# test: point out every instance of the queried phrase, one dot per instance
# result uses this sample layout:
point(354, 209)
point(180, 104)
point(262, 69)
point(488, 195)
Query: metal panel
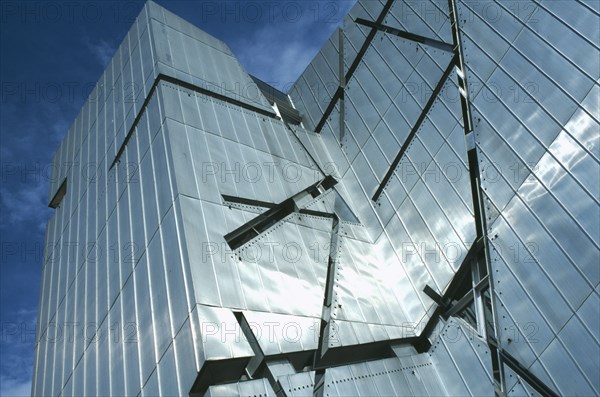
point(564, 371)
point(258, 387)
point(532, 128)
point(167, 372)
point(145, 329)
point(364, 285)
point(220, 334)
point(518, 387)
point(225, 267)
point(202, 261)
point(150, 388)
point(126, 333)
point(162, 177)
point(280, 334)
point(185, 358)
point(116, 356)
point(348, 333)
point(160, 311)
point(220, 72)
point(284, 248)
point(148, 196)
point(533, 91)
point(426, 18)
point(180, 159)
point(388, 377)
point(462, 360)
point(178, 285)
point(298, 385)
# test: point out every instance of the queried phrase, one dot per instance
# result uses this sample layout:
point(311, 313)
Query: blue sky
point(51, 54)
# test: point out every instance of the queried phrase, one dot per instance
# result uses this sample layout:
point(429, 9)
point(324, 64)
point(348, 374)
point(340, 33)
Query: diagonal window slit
point(247, 201)
point(357, 60)
point(527, 375)
point(276, 213)
point(440, 45)
point(415, 128)
point(60, 193)
point(189, 86)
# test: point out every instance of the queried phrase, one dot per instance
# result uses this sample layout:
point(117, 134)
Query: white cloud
point(279, 52)
point(16, 359)
point(27, 313)
point(25, 205)
point(14, 387)
point(102, 50)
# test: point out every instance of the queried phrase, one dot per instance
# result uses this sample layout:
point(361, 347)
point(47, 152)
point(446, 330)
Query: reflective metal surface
point(445, 146)
point(534, 136)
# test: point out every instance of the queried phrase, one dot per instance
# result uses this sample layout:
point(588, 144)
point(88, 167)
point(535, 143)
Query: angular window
point(57, 199)
point(275, 214)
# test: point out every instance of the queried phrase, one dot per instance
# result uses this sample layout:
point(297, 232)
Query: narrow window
point(56, 200)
